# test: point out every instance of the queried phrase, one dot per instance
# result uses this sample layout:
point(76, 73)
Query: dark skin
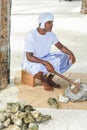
point(59, 45)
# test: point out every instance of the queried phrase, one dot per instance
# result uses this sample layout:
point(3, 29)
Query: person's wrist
point(70, 52)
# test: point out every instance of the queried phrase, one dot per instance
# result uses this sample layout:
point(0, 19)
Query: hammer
point(75, 86)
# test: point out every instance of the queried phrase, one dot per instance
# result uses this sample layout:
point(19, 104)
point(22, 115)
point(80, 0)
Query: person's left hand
point(72, 58)
point(76, 88)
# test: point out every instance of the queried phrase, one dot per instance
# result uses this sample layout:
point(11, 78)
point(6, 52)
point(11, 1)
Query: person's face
point(48, 26)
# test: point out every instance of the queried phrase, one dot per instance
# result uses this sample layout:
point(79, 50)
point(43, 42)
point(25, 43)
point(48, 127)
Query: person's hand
point(76, 87)
point(49, 67)
point(72, 58)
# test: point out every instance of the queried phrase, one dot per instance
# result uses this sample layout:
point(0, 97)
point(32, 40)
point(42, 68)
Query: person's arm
point(32, 58)
point(64, 49)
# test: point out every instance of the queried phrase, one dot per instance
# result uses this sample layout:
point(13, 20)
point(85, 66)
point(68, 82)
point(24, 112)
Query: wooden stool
point(27, 78)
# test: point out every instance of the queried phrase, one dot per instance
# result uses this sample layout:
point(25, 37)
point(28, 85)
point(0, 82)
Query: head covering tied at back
point(45, 17)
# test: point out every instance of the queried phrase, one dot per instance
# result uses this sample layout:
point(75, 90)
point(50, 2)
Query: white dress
point(40, 46)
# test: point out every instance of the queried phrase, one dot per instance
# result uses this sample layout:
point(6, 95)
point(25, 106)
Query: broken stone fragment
point(46, 118)
point(16, 117)
point(33, 126)
point(2, 118)
point(28, 108)
point(37, 115)
point(53, 103)
point(17, 121)
point(29, 118)
point(21, 114)
point(7, 114)
point(24, 126)
point(7, 122)
point(13, 107)
point(1, 126)
point(12, 127)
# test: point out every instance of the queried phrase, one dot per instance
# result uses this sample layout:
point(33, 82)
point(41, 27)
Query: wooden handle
point(65, 78)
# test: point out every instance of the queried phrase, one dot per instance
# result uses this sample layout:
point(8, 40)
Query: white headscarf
point(45, 17)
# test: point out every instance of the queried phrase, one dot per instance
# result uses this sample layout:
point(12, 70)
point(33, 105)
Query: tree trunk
point(84, 7)
point(5, 11)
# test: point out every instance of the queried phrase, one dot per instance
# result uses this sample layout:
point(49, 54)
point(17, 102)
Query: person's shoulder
point(51, 33)
point(31, 33)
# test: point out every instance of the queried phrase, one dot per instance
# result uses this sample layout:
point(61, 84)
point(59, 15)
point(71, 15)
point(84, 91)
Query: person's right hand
point(72, 58)
point(49, 67)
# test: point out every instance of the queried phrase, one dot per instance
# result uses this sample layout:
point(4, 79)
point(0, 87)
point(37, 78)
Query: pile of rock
point(18, 116)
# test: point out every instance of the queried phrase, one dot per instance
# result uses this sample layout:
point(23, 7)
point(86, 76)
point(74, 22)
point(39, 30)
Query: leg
point(51, 82)
point(44, 81)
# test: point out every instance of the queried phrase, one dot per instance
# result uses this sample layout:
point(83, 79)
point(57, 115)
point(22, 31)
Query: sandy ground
point(69, 26)
point(37, 96)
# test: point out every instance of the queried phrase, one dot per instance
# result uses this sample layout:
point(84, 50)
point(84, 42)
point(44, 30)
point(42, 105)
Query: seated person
point(38, 60)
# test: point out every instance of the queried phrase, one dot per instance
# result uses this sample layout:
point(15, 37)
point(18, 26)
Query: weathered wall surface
point(84, 7)
point(5, 11)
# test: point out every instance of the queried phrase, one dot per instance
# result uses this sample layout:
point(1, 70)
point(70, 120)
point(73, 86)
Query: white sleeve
point(29, 47)
point(54, 39)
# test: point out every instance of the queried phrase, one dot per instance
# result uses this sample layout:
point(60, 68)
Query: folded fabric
point(63, 99)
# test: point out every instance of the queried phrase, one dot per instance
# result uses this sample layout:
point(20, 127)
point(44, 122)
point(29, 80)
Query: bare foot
point(46, 85)
point(52, 83)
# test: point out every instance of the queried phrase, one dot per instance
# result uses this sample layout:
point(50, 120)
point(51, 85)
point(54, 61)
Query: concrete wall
point(5, 9)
